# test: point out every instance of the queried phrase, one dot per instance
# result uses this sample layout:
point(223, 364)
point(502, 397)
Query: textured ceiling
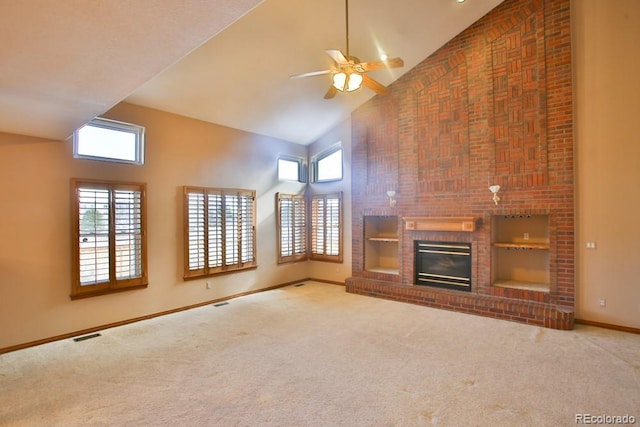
point(63, 62)
point(67, 61)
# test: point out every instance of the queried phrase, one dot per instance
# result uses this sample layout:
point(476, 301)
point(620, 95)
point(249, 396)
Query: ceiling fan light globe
point(339, 81)
point(354, 82)
point(347, 82)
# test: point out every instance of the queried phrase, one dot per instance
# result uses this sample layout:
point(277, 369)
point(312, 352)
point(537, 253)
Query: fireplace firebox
point(443, 264)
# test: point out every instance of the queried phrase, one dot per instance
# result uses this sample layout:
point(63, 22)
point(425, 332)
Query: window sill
point(97, 293)
point(194, 276)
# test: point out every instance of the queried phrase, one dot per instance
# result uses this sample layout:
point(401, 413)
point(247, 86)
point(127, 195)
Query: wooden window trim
point(313, 220)
point(113, 284)
point(295, 232)
point(224, 267)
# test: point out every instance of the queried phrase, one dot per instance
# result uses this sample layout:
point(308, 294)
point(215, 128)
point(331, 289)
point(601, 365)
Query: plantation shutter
point(299, 225)
point(196, 225)
point(332, 226)
point(215, 229)
point(128, 233)
point(220, 230)
point(109, 252)
point(286, 229)
point(247, 228)
point(232, 228)
point(292, 227)
point(326, 227)
point(317, 226)
point(94, 254)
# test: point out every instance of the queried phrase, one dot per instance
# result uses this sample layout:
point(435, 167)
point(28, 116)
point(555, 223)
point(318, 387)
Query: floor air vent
point(86, 337)
point(299, 284)
point(220, 304)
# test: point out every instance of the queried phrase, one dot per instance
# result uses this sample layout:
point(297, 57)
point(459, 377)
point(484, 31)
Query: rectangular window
point(291, 223)
point(327, 166)
point(219, 230)
point(109, 140)
point(326, 227)
point(291, 169)
point(109, 237)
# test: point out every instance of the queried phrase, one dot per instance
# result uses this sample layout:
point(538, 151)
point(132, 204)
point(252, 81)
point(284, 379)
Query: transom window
point(291, 169)
point(327, 166)
point(219, 230)
point(109, 234)
point(109, 140)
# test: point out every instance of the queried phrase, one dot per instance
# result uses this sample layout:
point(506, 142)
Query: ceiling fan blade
point(337, 56)
point(374, 85)
point(331, 92)
point(311, 74)
point(379, 65)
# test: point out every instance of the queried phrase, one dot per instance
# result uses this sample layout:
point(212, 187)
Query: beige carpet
point(314, 355)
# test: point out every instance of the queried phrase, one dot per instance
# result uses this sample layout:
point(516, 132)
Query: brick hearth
point(530, 312)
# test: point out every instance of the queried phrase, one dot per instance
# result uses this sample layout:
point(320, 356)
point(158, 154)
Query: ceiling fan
point(348, 73)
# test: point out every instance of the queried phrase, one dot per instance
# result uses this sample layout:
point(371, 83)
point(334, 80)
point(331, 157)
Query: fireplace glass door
point(443, 264)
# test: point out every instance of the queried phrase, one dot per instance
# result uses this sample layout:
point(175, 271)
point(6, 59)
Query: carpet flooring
point(313, 355)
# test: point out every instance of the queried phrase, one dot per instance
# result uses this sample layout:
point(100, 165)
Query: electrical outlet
point(208, 285)
point(526, 236)
point(591, 245)
point(603, 303)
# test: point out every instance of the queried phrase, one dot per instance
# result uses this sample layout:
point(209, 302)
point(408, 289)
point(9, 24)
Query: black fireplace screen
point(443, 264)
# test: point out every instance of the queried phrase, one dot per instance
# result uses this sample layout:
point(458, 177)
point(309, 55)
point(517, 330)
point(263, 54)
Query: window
point(219, 230)
point(291, 169)
point(109, 140)
point(327, 166)
point(291, 222)
point(109, 237)
point(326, 227)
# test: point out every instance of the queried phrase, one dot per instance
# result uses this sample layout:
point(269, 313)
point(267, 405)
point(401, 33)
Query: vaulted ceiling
point(64, 62)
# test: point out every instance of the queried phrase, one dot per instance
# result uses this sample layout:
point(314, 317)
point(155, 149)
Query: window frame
point(295, 203)
point(317, 159)
point(301, 168)
point(207, 268)
point(115, 125)
point(113, 284)
point(314, 234)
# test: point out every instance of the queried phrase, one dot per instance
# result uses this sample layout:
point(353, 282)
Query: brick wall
point(493, 106)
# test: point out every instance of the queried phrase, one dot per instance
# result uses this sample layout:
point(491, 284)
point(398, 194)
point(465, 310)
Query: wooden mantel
point(439, 223)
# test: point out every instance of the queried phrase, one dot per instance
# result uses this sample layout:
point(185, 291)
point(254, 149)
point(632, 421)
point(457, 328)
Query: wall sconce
point(392, 198)
point(494, 189)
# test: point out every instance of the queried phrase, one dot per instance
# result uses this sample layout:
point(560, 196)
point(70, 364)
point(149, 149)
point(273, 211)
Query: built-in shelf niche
point(520, 252)
point(381, 244)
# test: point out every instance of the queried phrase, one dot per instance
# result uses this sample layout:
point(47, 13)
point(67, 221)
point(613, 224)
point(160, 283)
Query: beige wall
point(607, 93)
point(35, 242)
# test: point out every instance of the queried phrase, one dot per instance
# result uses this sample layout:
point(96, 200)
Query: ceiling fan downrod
point(346, 14)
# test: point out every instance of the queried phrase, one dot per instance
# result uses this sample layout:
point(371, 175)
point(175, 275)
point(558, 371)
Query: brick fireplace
point(491, 107)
